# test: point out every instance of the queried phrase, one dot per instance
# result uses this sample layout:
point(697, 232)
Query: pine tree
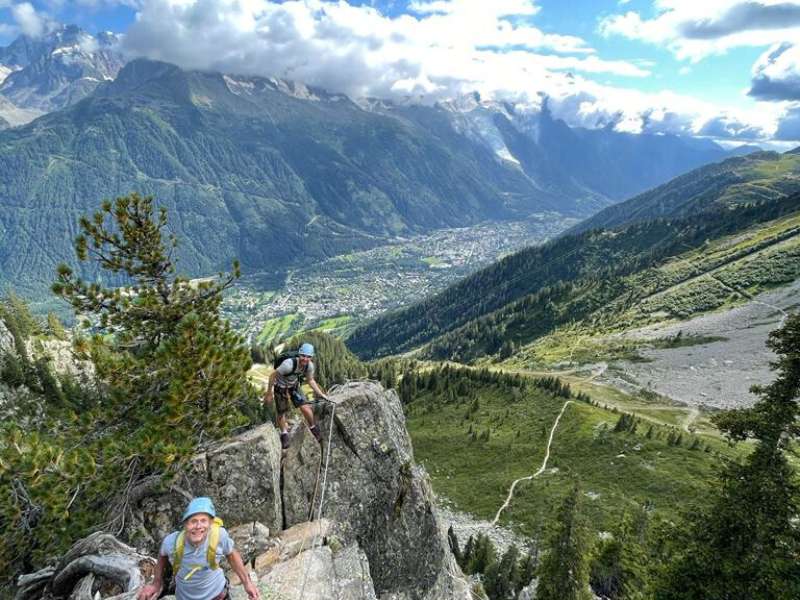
point(500, 581)
point(160, 343)
point(453, 541)
point(55, 328)
point(563, 572)
point(483, 555)
point(619, 569)
point(525, 573)
point(748, 539)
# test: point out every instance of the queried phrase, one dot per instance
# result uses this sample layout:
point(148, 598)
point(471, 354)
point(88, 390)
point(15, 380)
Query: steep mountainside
point(274, 172)
point(531, 293)
point(58, 69)
point(247, 169)
point(753, 178)
point(588, 165)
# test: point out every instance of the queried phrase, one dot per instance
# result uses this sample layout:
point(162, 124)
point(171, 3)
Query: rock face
point(343, 575)
point(379, 538)
point(377, 497)
point(6, 340)
point(242, 476)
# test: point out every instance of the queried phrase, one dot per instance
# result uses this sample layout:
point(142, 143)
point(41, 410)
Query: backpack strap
point(213, 542)
point(177, 553)
point(211, 550)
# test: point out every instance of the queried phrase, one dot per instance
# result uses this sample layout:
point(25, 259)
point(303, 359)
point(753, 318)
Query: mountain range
point(39, 75)
point(599, 276)
point(275, 172)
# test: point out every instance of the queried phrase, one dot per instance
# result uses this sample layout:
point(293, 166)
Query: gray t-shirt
point(204, 583)
point(289, 377)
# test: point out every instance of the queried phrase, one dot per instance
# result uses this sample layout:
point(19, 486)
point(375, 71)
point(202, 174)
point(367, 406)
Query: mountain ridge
point(533, 291)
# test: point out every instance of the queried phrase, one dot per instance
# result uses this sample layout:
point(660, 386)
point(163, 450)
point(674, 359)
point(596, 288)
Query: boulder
point(376, 496)
point(242, 476)
point(317, 574)
point(251, 540)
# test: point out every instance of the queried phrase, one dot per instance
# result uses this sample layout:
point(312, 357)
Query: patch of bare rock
point(377, 535)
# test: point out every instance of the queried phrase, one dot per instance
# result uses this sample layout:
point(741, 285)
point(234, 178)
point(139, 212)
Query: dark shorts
point(285, 395)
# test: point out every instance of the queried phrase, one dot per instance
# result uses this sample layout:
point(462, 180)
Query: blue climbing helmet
point(199, 505)
point(306, 350)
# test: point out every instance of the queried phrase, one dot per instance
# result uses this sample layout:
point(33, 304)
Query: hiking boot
point(316, 432)
point(284, 440)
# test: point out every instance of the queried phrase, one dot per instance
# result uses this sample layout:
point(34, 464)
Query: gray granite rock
point(317, 574)
point(241, 476)
point(378, 499)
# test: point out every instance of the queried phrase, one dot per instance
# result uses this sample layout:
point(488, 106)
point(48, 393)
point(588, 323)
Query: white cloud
point(358, 49)
point(789, 125)
point(442, 49)
point(776, 74)
point(693, 30)
point(28, 20)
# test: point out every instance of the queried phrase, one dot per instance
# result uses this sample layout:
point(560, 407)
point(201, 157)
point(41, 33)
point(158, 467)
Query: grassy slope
point(476, 475)
point(726, 272)
point(753, 178)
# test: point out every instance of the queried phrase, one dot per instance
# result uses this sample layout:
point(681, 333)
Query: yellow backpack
point(211, 551)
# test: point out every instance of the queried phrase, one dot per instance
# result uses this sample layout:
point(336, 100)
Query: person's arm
point(235, 560)
point(270, 386)
point(312, 383)
point(152, 590)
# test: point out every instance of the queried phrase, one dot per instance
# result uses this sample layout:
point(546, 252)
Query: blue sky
point(683, 66)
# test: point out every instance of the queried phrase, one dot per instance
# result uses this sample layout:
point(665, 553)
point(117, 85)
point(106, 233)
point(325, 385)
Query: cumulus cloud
point(28, 20)
point(694, 30)
point(438, 50)
point(730, 127)
point(788, 128)
point(776, 74)
point(441, 48)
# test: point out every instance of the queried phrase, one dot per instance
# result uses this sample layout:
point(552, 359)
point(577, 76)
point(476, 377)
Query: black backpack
point(293, 354)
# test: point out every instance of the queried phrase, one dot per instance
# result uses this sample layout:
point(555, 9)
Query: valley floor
point(338, 293)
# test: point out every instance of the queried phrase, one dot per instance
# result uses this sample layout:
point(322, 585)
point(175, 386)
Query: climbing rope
point(321, 500)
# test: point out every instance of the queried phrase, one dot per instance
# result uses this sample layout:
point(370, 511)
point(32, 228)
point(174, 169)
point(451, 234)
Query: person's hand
point(268, 398)
point(149, 592)
point(252, 591)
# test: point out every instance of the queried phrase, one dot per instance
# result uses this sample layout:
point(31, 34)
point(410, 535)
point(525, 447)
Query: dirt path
point(743, 294)
point(694, 412)
point(541, 469)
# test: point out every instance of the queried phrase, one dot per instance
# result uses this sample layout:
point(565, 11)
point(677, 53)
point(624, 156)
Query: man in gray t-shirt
point(284, 387)
point(196, 577)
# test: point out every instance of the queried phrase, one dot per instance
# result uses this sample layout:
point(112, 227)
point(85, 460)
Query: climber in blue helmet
point(291, 369)
point(194, 553)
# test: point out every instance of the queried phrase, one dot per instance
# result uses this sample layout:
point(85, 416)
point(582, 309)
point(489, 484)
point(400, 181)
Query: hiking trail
point(541, 469)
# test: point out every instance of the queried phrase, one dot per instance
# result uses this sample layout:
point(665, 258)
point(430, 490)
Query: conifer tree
point(619, 569)
point(159, 344)
point(749, 539)
point(563, 572)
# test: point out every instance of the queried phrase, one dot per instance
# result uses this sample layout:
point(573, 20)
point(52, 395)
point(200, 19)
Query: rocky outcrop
point(376, 496)
point(241, 475)
point(327, 575)
point(379, 538)
point(6, 340)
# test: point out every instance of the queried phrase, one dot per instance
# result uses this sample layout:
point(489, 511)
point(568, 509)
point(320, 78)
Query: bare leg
point(282, 424)
point(308, 413)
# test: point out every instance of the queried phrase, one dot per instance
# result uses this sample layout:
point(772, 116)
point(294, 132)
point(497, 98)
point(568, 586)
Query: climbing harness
point(211, 551)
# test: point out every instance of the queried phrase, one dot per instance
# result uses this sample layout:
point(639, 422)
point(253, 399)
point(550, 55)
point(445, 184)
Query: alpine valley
point(556, 363)
point(277, 174)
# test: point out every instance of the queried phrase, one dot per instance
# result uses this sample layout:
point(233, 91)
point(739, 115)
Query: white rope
point(321, 502)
